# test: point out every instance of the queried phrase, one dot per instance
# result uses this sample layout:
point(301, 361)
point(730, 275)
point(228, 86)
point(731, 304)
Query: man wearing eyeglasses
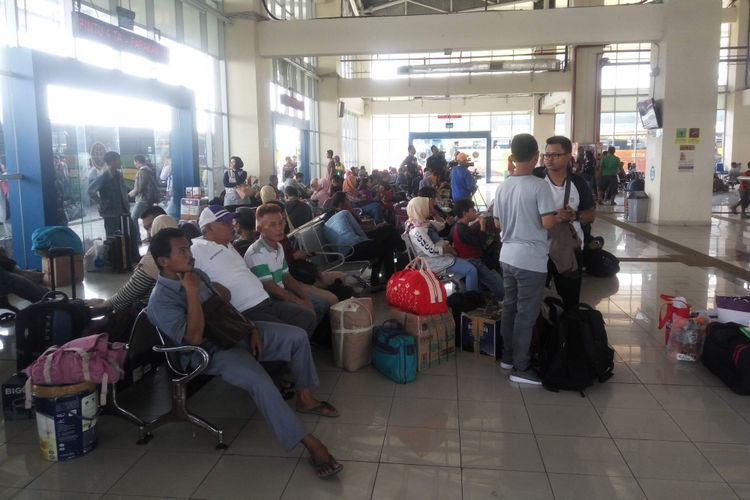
point(577, 210)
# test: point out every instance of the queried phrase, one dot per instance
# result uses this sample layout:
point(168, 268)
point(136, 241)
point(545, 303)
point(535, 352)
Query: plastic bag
point(686, 339)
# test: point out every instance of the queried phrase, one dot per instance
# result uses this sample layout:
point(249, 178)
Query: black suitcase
point(54, 320)
point(118, 247)
point(726, 353)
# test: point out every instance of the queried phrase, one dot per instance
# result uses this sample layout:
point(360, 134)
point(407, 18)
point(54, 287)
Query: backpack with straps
point(576, 353)
point(150, 187)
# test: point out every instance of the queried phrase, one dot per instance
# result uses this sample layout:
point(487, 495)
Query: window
point(349, 140)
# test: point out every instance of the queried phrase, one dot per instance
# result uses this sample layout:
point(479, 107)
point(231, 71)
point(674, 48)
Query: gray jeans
point(524, 291)
point(237, 366)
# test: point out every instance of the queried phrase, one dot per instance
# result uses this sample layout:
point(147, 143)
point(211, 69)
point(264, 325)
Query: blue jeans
point(490, 278)
point(524, 291)
point(237, 366)
point(374, 210)
point(468, 271)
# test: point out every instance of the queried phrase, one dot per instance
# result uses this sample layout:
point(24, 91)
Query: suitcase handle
point(54, 295)
point(383, 344)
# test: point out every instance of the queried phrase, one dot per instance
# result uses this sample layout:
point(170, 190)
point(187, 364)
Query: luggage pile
point(421, 331)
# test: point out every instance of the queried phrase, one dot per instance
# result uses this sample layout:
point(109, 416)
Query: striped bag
point(417, 290)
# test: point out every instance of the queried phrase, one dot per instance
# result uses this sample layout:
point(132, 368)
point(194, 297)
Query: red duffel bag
point(417, 290)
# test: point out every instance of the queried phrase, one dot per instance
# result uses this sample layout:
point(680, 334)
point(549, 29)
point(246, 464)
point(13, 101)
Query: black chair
point(149, 348)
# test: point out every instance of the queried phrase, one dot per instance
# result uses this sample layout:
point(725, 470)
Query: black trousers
point(568, 286)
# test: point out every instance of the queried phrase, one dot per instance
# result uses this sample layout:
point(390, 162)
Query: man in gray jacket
point(109, 188)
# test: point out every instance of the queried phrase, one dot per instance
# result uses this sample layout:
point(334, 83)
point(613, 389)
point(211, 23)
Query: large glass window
point(390, 135)
point(625, 80)
point(349, 140)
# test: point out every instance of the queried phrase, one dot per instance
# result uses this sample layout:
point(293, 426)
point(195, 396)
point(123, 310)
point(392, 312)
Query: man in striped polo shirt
point(265, 258)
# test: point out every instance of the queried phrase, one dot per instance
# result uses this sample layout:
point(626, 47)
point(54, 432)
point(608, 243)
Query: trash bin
point(637, 206)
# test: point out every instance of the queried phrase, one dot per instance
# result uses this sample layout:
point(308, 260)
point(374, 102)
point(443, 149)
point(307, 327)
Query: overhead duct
point(483, 67)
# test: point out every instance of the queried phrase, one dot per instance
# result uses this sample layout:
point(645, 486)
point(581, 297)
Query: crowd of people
point(240, 255)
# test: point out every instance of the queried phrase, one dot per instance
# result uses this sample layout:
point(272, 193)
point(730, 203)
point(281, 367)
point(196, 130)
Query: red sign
point(292, 102)
point(447, 117)
point(93, 29)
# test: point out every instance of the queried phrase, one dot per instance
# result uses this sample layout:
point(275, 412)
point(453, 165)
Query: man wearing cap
point(462, 182)
point(215, 255)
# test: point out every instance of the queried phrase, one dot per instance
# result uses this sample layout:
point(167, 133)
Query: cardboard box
point(480, 333)
point(191, 208)
point(14, 398)
point(435, 336)
point(62, 270)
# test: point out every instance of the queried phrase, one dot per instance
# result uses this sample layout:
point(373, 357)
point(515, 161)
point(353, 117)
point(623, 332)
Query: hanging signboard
point(292, 102)
point(88, 27)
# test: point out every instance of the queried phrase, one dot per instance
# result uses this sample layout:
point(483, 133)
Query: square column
point(679, 168)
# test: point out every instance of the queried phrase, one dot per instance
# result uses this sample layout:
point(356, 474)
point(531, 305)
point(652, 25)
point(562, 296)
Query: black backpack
point(54, 320)
point(727, 354)
point(576, 353)
point(600, 263)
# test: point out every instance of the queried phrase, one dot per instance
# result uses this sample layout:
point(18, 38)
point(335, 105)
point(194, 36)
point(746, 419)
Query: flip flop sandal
point(319, 410)
point(7, 318)
point(320, 465)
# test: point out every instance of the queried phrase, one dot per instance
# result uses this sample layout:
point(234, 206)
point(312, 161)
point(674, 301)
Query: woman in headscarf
point(321, 192)
point(367, 206)
point(440, 255)
point(268, 193)
point(141, 282)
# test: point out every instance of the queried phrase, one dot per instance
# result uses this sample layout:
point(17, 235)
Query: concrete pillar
point(586, 95)
point(736, 145)
point(248, 95)
point(542, 125)
point(679, 181)
point(328, 108)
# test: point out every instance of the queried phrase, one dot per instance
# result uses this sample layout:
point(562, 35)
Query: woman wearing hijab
point(440, 255)
point(367, 206)
point(321, 191)
point(268, 193)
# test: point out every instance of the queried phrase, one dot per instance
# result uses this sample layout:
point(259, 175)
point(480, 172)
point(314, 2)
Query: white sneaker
point(527, 377)
point(506, 366)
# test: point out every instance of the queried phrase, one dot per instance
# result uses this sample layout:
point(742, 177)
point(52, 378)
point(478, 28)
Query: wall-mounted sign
point(448, 124)
point(93, 29)
point(687, 136)
point(292, 102)
point(447, 117)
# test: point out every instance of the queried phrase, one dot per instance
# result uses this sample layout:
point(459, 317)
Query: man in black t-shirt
point(436, 163)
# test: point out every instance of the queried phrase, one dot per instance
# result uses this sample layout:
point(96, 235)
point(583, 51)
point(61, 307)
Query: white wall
point(508, 84)
point(478, 31)
point(453, 105)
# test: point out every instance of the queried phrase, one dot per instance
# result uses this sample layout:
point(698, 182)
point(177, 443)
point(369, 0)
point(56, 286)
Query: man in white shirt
point(525, 210)
point(215, 255)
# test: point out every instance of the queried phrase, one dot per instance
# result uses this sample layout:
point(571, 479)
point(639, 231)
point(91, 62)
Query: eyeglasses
point(552, 156)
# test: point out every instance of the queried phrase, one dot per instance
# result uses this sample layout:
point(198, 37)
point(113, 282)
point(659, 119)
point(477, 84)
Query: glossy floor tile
point(462, 431)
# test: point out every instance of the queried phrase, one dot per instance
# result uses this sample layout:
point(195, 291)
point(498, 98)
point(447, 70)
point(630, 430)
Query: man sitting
point(147, 219)
point(215, 255)
point(297, 210)
point(175, 308)
point(265, 258)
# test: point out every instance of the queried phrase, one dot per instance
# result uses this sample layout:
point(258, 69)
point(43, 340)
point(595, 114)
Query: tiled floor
point(657, 430)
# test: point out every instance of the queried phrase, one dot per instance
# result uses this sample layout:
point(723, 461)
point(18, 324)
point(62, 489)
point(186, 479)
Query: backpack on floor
point(576, 353)
point(600, 263)
point(726, 353)
point(394, 353)
point(54, 320)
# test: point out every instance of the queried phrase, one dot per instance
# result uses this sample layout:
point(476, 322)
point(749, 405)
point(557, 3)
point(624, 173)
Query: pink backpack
point(86, 359)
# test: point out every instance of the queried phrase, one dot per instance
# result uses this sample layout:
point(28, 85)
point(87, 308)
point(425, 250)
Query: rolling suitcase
point(118, 247)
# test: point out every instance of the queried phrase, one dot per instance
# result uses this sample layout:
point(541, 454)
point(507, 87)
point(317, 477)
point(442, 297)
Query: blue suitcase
point(394, 354)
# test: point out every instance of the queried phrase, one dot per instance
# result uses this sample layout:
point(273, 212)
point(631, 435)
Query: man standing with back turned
point(525, 210)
